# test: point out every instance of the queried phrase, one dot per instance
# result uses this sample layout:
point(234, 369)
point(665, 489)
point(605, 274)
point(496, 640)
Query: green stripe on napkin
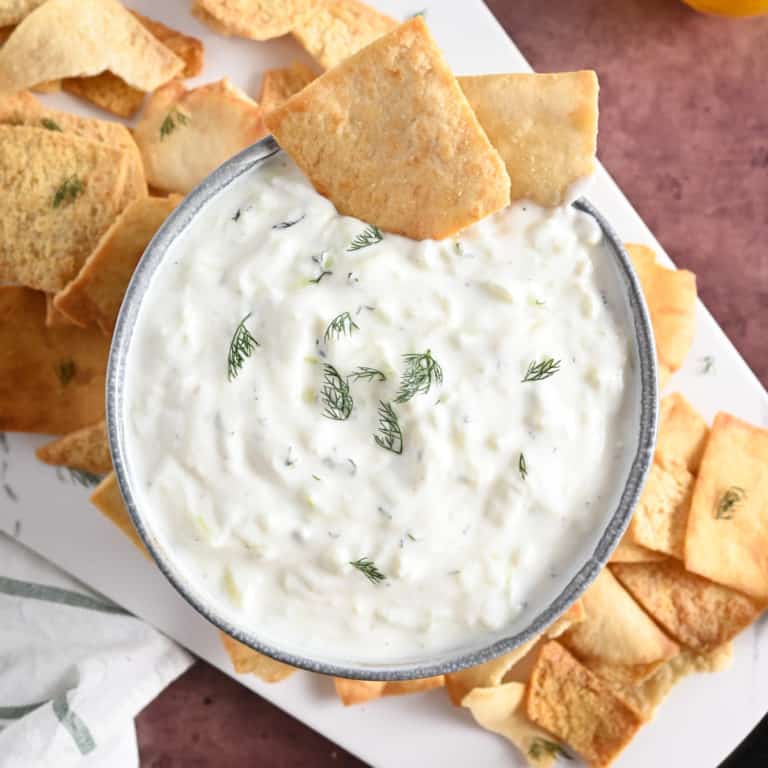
point(34, 591)
point(76, 728)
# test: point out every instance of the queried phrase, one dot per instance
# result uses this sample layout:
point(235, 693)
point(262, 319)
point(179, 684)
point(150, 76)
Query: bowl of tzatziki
point(371, 456)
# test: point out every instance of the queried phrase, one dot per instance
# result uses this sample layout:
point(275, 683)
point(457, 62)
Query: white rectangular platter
point(703, 719)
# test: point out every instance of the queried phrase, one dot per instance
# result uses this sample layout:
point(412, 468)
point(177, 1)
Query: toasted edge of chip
point(683, 432)
point(351, 692)
point(389, 137)
point(254, 19)
point(108, 92)
point(247, 661)
point(86, 449)
point(564, 698)
point(13, 11)
point(693, 610)
point(544, 127)
point(501, 710)
point(628, 552)
point(278, 85)
point(54, 318)
point(107, 498)
point(727, 536)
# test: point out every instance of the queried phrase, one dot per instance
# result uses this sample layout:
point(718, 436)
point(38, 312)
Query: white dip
point(263, 502)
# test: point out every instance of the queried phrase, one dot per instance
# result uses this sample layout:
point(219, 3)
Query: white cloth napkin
point(75, 669)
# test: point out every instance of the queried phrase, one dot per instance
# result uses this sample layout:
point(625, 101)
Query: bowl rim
point(639, 466)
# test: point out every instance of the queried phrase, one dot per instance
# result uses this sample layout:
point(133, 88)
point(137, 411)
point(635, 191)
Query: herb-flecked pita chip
point(86, 449)
point(13, 11)
point(352, 692)
point(660, 519)
point(24, 109)
point(58, 194)
point(184, 135)
point(389, 138)
point(695, 611)
point(339, 28)
point(617, 640)
point(254, 19)
point(108, 37)
point(671, 298)
point(500, 709)
point(628, 552)
point(278, 85)
point(247, 661)
point(727, 537)
point(51, 379)
point(544, 127)
point(577, 707)
point(682, 432)
point(95, 295)
point(107, 498)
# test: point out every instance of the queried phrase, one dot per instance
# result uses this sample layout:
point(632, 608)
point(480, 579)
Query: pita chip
point(51, 379)
point(107, 498)
point(246, 661)
point(254, 19)
point(727, 536)
point(395, 105)
point(361, 691)
point(54, 318)
point(86, 449)
point(694, 611)
point(683, 432)
point(544, 127)
point(13, 11)
point(628, 552)
point(184, 135)
point(278, 85)
point(95, 295)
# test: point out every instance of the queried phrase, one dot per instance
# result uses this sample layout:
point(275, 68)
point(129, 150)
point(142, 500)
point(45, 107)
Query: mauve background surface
point(684, 131)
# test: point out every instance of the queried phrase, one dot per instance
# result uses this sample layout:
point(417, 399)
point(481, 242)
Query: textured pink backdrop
point(684, 131)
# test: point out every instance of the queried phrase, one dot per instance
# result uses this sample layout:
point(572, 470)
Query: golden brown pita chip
point(95, 295)
point(501, 710)
point(13, 11)
point(51, 379)
point(660, 519)
point(671, 298)
point(107, 499)
point(278, 85)
point(5, 33)
point(24, 109)
point(578, 708)
point(58, 194)
point(247, 661)
point(86, 449)
point(189, 49)
point(361, 691)
point(544, 127)
point(682, 432)
point(617, 640)
point(184, 135)
point(727, 537)
point(394, 105)
point(340, 28)
point(694, 611)
point(645, 697)
point(254, 19)
point(405, 687)
point(107, 37)
point(627, 552)
point(54, 318)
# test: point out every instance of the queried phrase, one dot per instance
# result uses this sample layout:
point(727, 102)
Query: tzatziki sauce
point(364, 448)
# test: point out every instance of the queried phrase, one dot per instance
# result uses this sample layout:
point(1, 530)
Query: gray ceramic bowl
point(645, 370)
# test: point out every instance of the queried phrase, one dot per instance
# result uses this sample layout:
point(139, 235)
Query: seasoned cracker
point(694, 611)
point(184, 135)
point(278, 85)
point(544, 127)
point(94, 296)
point(247, 661)
point(389, 138)
point(107, 498)
point(683, 432)
point(51, 379)
point(340, 28)
point(727, 536)
point(86, 449)
point(255, 19)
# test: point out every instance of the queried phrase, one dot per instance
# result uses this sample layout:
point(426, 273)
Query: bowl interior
point(532, 621)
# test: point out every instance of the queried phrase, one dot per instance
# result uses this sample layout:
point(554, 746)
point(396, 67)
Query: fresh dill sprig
point(368, 568)
point(341, 325)
point(369, 236)
point(50, 125)
point(522, 466)
point(287, 224)
point(80, 477)
point(540, 371)
point(172, 120)
point(316, 280)
point(363, 373)
point(70, 189)
point(729, 501)
point(542, 747)
point(390, 435)
point(241, 347)
point(421, 371)
point(335, 395)
point(66, 370)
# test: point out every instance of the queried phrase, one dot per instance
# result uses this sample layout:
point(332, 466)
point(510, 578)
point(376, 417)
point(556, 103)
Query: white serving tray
point(698, 725)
